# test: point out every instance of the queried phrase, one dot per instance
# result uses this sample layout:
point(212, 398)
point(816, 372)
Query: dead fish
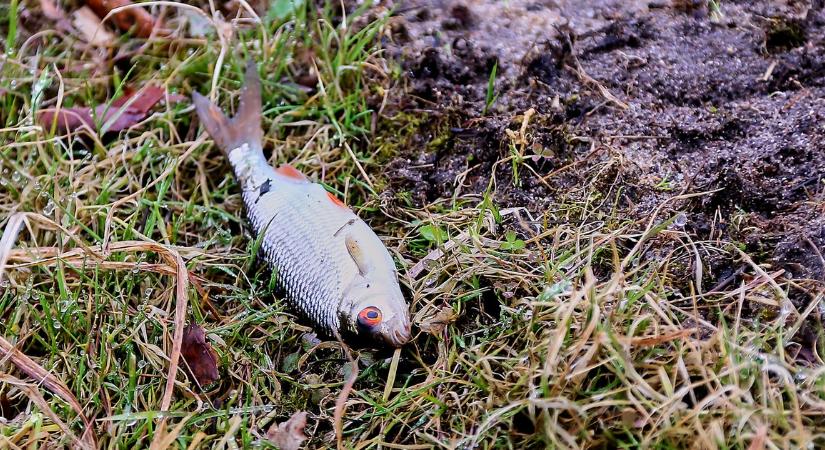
point(332, 266)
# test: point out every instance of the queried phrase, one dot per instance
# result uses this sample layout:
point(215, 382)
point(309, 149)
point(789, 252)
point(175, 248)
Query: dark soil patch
point(730, 102)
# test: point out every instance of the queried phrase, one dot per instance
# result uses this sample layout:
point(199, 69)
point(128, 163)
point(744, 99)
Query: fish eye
point(369, 317)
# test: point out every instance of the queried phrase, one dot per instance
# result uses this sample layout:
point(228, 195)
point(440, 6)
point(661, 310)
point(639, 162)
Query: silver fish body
point(332, 266)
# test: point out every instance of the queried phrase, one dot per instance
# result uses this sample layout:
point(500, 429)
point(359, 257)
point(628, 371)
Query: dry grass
point(558, 328)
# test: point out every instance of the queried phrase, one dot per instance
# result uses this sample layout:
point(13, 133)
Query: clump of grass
point(569, 327)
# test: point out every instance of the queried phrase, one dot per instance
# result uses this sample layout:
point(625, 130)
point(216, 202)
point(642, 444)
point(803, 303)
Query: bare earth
point(726, 102)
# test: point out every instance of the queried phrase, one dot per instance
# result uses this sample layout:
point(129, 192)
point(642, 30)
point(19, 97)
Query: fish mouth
point(398, 336)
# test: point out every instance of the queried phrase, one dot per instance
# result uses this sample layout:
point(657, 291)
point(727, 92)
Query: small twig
point(587, 79)
point(816, 250)
point(341, 401)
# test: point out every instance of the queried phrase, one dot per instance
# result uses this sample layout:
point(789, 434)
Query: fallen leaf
point(51, 11)
point(132, 18)
point(89, 25)
point(199, 355)
point(123, 113)
point(436, 323)
point(290, 434)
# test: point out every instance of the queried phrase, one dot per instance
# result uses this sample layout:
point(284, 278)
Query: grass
point(546, 329)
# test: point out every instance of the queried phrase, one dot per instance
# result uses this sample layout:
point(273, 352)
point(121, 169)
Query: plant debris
point(199, 355)
point(289, 435)
point(122, 113)
point(91, 28)
point(436, 323)
point(661, 282)
point(133, 18)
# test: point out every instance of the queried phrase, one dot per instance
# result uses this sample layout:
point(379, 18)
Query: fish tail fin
point(245, 127)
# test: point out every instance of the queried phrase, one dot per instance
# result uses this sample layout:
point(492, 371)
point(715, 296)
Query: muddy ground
point(636, 101)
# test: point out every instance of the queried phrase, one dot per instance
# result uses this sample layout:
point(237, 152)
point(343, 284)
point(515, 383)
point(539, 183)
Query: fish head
point(379, 312)
point(375, 307)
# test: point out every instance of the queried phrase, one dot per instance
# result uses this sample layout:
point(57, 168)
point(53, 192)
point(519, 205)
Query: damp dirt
point(641, 101)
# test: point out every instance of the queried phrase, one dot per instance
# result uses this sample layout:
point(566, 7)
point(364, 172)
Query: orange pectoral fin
point(291, 172)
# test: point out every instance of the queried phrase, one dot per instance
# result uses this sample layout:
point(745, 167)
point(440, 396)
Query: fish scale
point(307, 268)
point(333, 268)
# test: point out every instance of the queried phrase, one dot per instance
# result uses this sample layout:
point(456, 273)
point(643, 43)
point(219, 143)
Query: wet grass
point(540, 329)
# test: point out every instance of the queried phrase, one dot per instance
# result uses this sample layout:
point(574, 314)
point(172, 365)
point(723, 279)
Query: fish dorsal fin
point(289, 171)
point(356, 252)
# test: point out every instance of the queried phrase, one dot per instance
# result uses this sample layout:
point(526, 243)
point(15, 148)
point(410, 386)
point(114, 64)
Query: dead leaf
point(199, 355)
point(123, 113)
point(436, 323)
point(51, 11)
point(132, 18)
point(89, 25)
point(290, 434)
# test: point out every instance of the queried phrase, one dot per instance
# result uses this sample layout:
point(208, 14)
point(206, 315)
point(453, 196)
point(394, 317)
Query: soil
point(641, 101)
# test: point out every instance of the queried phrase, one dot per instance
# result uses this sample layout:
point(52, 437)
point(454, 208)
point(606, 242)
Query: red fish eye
point(369, 316)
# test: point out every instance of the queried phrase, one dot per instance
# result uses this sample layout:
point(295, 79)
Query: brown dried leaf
point(92, 30)
point(290, 434)
point(137, 18)
point(436, 323)
point(51, 11)
point(123, 113)
point(199, 355)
